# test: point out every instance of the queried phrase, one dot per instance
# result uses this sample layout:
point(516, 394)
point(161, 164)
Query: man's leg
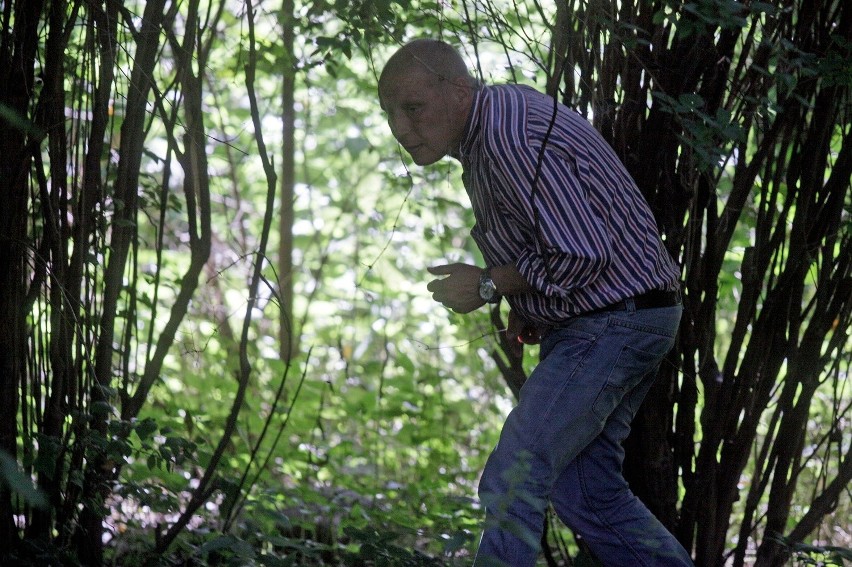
point(518, 476)
point(593, 499)
point(563, 407)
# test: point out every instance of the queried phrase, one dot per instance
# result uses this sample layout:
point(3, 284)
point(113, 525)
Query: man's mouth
point(411, 149)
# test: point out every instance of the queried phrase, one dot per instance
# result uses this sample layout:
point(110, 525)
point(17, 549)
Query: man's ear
point(462, 90)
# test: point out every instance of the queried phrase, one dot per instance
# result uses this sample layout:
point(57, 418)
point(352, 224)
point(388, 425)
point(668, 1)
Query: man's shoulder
point(504, 111)
point(511, 95)
point(525, 108)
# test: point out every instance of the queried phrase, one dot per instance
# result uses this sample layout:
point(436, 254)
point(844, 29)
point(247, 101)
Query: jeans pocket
point(631, 366)
point(574, 340)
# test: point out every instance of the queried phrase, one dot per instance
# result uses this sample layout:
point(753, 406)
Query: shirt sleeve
point(568, 243)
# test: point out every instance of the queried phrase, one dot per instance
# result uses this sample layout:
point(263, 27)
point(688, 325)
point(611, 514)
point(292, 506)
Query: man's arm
point(509, 280)
point(459, 291)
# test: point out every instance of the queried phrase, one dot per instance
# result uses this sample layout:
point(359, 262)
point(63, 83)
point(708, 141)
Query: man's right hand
point(520, 332)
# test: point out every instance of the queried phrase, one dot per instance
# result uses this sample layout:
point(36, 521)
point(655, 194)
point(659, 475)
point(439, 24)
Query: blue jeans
point(562, 443)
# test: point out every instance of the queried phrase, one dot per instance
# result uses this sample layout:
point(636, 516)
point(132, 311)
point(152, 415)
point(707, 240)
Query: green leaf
point(12, 477)
point(220, 543)
point(48, 453)
point(146, 428)
point(20, 123)
point(691, 101)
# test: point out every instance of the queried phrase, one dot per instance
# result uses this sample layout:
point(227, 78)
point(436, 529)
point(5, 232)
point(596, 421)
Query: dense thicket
point(174, 390)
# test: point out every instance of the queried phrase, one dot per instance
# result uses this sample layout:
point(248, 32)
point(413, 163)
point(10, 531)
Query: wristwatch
point(487, 288)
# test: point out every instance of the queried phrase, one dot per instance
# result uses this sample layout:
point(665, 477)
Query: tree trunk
point(18, 142)
point(89, 531)
point(288, 336)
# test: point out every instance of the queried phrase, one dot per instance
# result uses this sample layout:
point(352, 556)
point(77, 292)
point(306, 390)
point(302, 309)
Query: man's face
point(426, 114)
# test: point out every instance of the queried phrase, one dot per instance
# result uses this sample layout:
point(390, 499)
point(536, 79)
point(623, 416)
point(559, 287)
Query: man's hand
point(460, 290)
point(520, 333)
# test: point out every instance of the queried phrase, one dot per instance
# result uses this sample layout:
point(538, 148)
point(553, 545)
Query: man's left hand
point(458, 291)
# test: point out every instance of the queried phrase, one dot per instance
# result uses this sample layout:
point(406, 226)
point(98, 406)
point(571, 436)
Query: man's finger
point(444, 270)
point(512, 335)
point(435, 285)
point(517, 349)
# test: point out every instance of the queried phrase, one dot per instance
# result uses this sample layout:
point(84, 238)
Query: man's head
point(426, 91)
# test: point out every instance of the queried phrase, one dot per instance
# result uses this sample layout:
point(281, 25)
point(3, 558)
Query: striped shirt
point(586, 238)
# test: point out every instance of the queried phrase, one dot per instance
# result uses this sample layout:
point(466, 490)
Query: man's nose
point(399, 125)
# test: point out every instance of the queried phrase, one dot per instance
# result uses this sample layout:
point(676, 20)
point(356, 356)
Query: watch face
point(486, 290)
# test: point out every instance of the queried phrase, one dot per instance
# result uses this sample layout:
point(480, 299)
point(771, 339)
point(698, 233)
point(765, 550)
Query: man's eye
point(413, 109)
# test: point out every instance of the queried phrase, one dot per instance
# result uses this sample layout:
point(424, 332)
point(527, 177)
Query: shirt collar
point(473, 126)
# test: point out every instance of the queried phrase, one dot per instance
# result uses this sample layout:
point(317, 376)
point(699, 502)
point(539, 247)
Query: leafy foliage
point(148, 415)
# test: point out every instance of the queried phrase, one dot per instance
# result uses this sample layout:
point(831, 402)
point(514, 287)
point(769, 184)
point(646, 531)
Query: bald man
point(572, 246)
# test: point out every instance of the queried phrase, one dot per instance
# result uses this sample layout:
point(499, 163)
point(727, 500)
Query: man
point(572, 246)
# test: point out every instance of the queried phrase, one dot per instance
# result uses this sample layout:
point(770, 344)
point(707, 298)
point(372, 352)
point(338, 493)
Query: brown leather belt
point(649, 300)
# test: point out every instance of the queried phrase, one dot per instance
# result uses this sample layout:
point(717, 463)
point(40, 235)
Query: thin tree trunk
point(288, 337)
point(17, 64)
point(89, 540)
